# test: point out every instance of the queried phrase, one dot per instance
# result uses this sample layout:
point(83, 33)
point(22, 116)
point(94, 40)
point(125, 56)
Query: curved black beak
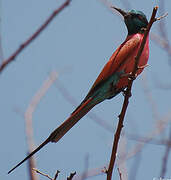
point(123, 13)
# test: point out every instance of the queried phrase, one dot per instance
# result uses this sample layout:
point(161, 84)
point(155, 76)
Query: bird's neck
point(138, 35)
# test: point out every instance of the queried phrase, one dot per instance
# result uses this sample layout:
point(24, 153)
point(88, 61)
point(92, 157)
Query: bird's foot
point(124, 92)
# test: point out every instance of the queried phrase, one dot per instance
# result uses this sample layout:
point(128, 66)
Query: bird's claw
point(124, 92)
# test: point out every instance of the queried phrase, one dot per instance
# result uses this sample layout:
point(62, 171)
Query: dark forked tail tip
point(11, 170)
point(15, 167)
point(31, 154)
point(20, 163)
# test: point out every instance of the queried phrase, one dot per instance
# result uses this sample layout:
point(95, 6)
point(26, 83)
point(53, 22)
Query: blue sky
point(77, 44)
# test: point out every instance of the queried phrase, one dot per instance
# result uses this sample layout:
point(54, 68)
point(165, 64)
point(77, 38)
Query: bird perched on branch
point(113, 78)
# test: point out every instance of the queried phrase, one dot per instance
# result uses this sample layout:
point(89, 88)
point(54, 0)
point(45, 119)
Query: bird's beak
point(123, 13)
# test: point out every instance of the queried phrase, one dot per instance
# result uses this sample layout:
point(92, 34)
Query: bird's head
point(135, 21)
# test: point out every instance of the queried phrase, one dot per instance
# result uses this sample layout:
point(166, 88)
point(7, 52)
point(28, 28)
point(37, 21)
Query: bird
point(114, 76)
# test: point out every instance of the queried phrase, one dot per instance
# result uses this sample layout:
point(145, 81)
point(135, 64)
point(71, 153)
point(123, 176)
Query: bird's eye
point(140, 17)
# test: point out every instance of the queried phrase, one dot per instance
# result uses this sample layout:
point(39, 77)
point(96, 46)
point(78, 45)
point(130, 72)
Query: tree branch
point(46, 175)
point(71, 176)
point(127, 96)
point(34, 36)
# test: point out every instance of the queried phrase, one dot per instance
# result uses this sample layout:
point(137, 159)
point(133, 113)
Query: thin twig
point(127, 96)
point(120, 174)
point(160, 126)
point(162, 24)
point(121, 161)
point(56, 175)
point(46, 175)
point(161, 142)
point(31, 165)
point(134, 169)
point(34, 36)
point(33, 104)
point(43, 174)
point(29, 114)
point(161, 42)
point(71, 176)
point(161, 17)
point(150, 99)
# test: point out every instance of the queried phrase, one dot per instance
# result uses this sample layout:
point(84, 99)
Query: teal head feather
point(135, 21)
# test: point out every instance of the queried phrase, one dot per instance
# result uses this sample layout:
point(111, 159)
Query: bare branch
point(159, 128)
point(161, 17)
point(29, 114)
point(134, 169)
point(71, 176)
point(32, 164)
point(33, 104)
point(161, 142)
point(46, 175)
point(120, 174)
point(56, 175)
point(127, 96)
point(149, 96)
point(34, 36)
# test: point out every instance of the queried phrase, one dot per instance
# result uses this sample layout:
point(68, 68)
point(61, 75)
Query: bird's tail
point(59, 132)
point(81, 111)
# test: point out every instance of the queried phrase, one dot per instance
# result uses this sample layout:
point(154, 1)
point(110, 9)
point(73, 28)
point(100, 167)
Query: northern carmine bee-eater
point(113, 78)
